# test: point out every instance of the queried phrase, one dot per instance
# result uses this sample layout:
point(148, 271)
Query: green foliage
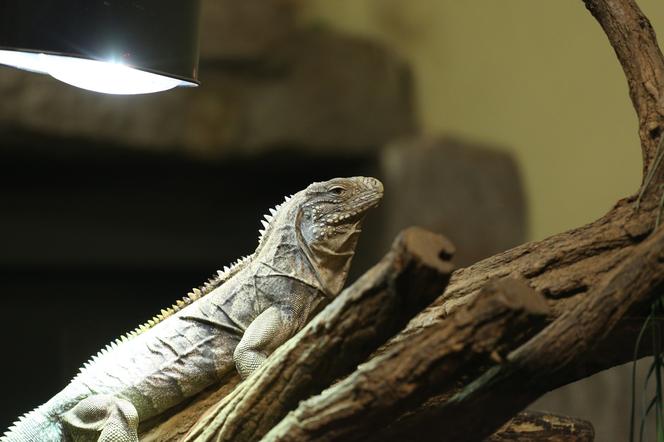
point(654, 323)
point(654, 326)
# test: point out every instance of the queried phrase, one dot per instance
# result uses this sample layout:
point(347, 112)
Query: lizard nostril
point(374, 184)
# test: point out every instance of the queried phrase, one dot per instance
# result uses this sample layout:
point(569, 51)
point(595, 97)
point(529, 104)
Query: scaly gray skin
point(235, 320)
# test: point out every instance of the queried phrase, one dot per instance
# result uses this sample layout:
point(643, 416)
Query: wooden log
point(534, 426)
point(396, 381)
point(363, 316)
point(475, 410)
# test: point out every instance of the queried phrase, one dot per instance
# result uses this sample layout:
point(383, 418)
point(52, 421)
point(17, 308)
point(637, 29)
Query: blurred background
point(492, 122)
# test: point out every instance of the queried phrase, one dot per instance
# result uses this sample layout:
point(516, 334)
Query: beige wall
point(537, 77)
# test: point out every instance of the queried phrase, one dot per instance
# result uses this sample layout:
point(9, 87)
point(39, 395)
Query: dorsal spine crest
point(195, 294)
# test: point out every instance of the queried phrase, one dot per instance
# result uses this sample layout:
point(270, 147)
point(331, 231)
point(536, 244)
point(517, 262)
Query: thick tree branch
point(394, 382)
point(546, 361)
point(633, 38)
point(534, 426)
point(564, 268)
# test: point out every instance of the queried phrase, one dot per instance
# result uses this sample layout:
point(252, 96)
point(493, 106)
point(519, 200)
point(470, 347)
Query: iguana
point(236, 319)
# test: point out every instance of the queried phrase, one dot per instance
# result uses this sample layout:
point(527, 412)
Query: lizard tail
point(34, 426)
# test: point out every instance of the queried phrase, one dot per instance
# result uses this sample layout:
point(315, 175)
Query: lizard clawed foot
point(102, 418)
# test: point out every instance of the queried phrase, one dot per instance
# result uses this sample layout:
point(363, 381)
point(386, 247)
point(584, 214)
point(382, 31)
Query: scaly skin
point(234, 321)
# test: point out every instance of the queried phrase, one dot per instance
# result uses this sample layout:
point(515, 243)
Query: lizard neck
point(331, 265)
point(284, 250)
point(322, 263)
point(329, 260)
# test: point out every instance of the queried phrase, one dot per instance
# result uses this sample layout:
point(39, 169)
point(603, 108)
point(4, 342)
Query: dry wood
point(396, 381)
point(534, 426)
point(475, 410)
point(173, 426)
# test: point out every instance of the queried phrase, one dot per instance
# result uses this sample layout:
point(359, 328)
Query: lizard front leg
point(268, 331)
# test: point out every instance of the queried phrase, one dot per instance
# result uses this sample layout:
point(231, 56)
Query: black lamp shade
point(155, 36)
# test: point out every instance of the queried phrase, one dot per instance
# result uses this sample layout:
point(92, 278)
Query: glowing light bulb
point(93, 75)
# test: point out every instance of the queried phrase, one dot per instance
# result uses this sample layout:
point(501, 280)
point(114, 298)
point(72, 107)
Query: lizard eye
point(337, 190)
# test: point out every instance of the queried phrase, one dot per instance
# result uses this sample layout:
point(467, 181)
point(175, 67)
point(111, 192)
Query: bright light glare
point(107, 78)
point(28, 61)
point(97, 76)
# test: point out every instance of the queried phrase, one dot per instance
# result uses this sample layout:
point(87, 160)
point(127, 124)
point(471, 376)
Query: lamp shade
point(110, 46)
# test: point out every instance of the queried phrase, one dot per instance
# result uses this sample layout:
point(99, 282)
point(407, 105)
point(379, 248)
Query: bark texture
point(633, 39)
point(555, 311)
point(479, 334)
point(534, 426)
point(472, 411)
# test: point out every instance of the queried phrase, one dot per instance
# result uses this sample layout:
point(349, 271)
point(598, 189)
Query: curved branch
point(564, 268)
point(633, 38)
point(569, 264)
point(546, 361)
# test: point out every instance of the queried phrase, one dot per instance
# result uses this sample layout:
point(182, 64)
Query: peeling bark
point(534, 426)
point(480, 333)
point(475, 409)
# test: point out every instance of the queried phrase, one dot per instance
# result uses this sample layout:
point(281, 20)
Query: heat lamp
point(123, 47)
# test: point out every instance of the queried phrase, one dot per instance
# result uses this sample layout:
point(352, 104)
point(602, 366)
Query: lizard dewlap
point(234, 321)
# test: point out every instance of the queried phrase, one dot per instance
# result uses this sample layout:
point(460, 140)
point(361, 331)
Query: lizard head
point(330, 222)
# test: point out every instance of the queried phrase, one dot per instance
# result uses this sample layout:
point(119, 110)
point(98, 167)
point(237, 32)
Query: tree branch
point(534, 426)
point(394, 382)
point(633, 39)
point(565, 268)
point(546, 361)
